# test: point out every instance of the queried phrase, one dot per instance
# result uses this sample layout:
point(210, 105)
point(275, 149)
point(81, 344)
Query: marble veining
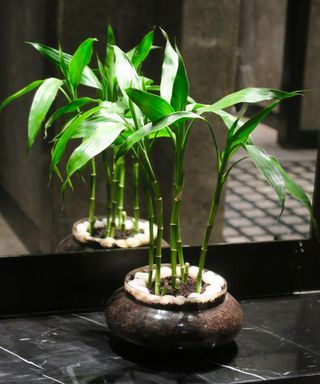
point(280, 339)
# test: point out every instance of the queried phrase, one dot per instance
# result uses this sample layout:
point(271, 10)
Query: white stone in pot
point(193, 272)
point(212, 289)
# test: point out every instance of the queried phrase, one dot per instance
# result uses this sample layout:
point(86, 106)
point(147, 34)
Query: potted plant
point(96, 122)
point(173, 305)
point(177, 306)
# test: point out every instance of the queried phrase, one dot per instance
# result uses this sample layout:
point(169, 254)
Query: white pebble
point(220, 281)
point(142, 289)
point(144, 276)
point(140, 282)
point(129, 224)
point(132, 242)
point(83, 227)
point(155, 299)
point(142, 225)
point(99, 224)
point(167, 299)
point(194, 295)
point(142, 238)
point(179, 300)
point(121, 243)
point(212, 289)
point(108, 242)
point(193, 272)
point(165, 272)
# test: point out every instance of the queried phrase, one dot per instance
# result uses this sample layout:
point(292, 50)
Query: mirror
point(34, 218)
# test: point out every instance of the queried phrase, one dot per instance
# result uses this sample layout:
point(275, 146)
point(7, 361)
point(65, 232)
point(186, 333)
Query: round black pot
point(192, 325)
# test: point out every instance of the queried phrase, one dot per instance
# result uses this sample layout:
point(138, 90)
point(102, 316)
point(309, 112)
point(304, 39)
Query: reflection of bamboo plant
point(97, 127)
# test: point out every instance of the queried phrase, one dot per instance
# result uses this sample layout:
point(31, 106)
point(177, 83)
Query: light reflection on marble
point(280, 339)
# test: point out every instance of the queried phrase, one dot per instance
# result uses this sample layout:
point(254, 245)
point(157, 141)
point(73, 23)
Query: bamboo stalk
point(135, 184)
point(92, 197)
point(108, 193)
point(147, 167)
point(114, 199)
point(151, 233)
point(210, 224)
point(121, 184)
point(175, 233)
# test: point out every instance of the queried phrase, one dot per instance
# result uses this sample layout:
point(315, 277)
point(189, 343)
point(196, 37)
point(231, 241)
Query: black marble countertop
point(280, 341)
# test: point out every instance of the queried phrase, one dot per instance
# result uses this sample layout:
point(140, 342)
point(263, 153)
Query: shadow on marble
point(196, 361)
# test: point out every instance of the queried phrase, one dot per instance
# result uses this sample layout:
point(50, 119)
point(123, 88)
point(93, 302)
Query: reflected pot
point(80, 239)
point(195, 324)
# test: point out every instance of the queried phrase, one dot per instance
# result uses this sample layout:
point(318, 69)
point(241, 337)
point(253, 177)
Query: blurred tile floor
point(251, 206)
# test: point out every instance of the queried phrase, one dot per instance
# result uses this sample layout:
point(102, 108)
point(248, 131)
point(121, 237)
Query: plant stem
point(92, 197)
point(109, 191)
point(121, 177)
point(135, 185)
point(212, 215)
point(147, 167)
point(114, 199)
point(151, 233)
point(175, 234)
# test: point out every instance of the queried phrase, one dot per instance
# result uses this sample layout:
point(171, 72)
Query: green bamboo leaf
point(63, 65)
point(265, 164)
point(110, 65)
point(165, 132)
point(180, 89)
point(142, 50)
point(104, 81)
point(127, 75)
point(80, 60)
point(242, 134)
point(88, 78)
point(247, 95)
point(69, 108)
point(103, 135)
point(41, 103)
point(22, 92)
point(152, 87)
point(152, 106)
point(169, 70)
point(293, 188)
point(63, 140)
point(151, 128)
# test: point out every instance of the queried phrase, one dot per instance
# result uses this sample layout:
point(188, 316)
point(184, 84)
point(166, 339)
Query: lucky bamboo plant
point(97, 122)
point(172, 114)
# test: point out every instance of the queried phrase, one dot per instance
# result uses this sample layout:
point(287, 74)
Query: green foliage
point(131, 112)
point(150, 128)
point(79, 62)
point(152, 106)
point(88, 77)
point(102, 136)
point(42, 101)
point(22, 92)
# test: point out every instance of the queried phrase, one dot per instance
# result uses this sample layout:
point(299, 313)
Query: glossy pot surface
point(164, 327)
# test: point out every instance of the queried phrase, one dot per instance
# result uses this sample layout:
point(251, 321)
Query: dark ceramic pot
point(192, 325)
